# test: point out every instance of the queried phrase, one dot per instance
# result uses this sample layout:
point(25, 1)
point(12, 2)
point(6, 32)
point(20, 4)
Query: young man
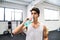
point(36, 30)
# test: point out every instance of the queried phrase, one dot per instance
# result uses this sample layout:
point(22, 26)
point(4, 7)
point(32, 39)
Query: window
point(18, 14)
point(9, 14)
point(13, 14)
point(51, 14)
point(1, 14)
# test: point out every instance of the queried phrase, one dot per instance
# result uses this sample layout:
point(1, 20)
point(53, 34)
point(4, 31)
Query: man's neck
point(35, 21)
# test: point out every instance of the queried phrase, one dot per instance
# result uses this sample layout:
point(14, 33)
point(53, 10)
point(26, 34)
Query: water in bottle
point(28, 22)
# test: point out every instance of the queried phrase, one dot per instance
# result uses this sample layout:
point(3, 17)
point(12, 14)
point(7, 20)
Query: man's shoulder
point(44, 25)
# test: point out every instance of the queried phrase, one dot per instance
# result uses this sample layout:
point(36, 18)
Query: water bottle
point(28, 22)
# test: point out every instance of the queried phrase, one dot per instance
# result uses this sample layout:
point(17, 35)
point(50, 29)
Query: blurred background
point(13, 12)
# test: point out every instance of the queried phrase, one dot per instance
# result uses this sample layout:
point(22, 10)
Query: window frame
point(52, 19)
point(14, 14)
point(3, 15)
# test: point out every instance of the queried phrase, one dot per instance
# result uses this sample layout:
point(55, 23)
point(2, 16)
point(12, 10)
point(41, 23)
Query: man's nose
point(32, 16)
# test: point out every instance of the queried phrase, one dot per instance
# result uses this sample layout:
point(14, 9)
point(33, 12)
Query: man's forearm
point(17, 29)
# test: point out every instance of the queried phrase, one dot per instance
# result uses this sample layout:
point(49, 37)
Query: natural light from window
point(8, 14)
point(51, 14)
point(1, 13)
point(18, 14)
point(13, 14)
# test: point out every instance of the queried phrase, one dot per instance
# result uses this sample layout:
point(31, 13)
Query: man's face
point(34, 14)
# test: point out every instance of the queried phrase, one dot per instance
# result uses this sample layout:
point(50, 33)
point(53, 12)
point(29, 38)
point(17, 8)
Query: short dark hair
point(35, 9)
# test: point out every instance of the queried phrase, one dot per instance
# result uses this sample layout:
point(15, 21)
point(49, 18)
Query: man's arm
point(19, 28)
point(45, 33)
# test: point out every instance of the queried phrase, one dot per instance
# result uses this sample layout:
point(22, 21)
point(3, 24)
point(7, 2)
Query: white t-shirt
point(34, 34)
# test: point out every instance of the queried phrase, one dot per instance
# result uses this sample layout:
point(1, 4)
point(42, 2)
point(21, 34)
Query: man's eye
point(31, 13)
point(34, 13)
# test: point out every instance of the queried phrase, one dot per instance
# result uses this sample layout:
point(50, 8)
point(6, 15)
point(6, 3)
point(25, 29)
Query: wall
point(51, 25)
point(16, 6)
point(4, 25)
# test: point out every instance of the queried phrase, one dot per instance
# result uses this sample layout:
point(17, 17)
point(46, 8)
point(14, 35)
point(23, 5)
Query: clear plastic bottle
point(28, 22)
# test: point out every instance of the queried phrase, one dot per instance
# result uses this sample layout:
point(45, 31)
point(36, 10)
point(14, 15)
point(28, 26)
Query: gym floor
point(53, 35)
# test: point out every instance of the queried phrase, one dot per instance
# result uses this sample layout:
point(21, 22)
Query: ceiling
point(55, 2)
point(22, 2)
point(27, 2)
